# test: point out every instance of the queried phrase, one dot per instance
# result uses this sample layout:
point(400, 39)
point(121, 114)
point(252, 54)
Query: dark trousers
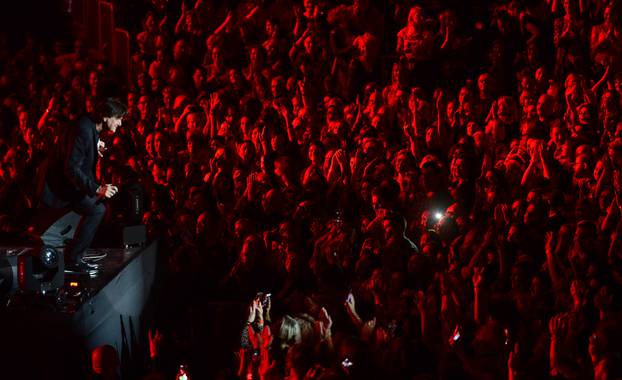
point(92, 212)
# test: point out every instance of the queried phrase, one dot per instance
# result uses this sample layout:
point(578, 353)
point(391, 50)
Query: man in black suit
point(70, 177)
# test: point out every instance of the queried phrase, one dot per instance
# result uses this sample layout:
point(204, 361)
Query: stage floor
point(113, 308)
point(116, 259)
point(81, 287)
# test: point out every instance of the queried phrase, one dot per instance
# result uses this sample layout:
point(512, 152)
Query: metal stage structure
point(114, 300)
point(110, 308)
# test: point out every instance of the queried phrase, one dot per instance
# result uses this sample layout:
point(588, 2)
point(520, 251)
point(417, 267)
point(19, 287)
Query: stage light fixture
point(49, 257)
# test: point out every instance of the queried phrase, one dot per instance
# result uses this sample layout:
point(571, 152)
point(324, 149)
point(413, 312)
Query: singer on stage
point(70, 177)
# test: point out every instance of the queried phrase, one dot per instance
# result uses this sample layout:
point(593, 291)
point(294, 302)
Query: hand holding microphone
point(101, 148)
point(106, 191)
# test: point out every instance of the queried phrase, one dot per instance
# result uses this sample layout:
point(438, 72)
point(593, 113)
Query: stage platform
point(110, 308)
point(110, 267)
point(106, 307)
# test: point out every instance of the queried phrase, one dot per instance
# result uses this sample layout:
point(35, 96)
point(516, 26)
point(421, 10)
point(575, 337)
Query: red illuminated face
point(150, 23)
point(483, 82)
point(415, 16)
point(503, 110)
point(113, 123)
point(464, 95)
point(308, 5)
point(143, 103)
point(309, 45)
point(131, 100)
point(149, 145)
point(23, 120)
point(271, 29)
point(158, 143)
point(616, 156)
point(451, 110)
point(93, 79)
point(584, 115)
point(198, 78)
point(193, 121)
point(315, 154)
point(557, 134)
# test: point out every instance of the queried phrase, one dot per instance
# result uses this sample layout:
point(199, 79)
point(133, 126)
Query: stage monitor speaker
point(134, 236)
point(134, 203)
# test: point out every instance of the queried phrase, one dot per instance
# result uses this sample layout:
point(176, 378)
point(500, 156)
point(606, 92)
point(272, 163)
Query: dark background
point(43, 19)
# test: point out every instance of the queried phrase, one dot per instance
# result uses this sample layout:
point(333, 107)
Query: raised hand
point(420, 300)
point(548, 239)
point(262, 134)
point(213, 101)
point(52, 103)
point(258, 310)
point(439, 101)
point(252, 311)
point(477, 277)
point(301, 86)
point(557, 326)
point(499, 216)
point(298, 12)
point(455, 336)
point(314, 372)
point(350, 304)
point(325, 318)
point(513, 357)
point(268, 305)
point(324, 324)
point(578, 292)
point(155, 342)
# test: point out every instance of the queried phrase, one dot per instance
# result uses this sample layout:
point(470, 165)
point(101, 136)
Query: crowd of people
point(412, 190)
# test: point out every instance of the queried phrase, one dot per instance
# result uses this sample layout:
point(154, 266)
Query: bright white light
point(438, 215)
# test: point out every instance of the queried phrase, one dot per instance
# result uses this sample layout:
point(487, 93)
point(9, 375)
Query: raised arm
point(180, 23)
point(530, 172)
point(600, 82)
point(551, 262)
point(351, 310)
point(298, 44)
point(223, 25)
point(181, 120)
point(46, 113)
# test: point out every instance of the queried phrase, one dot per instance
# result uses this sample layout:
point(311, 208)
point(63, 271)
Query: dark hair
point(111, 107)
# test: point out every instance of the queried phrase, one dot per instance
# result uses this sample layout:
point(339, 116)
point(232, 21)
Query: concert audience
point(427, 190)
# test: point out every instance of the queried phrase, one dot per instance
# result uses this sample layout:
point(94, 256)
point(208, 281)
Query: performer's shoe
point(95, 256)
point(83, 262)
point(81, 266)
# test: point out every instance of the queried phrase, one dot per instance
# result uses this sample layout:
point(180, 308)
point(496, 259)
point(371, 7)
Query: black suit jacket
point(70, 174)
